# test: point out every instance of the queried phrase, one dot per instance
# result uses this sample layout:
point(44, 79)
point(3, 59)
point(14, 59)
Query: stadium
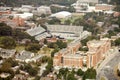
point(65, 31)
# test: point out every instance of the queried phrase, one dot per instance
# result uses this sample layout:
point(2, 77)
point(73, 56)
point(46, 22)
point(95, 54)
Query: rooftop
point(65, 28)
point(35, 31)
point(24, 55)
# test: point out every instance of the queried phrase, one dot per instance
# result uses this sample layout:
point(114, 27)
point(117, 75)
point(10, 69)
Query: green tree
point(117, 42)
point(12, 62)
point(89, 74)
point(54, 51)
point(71, 9)
point(117, 2)
point(7, 42)
point(83, 49)
point(84, 41)
point(37, 78)
point(71, 77)
point(45, 59)
point(33, 47)
point(43, 15)
point(67, 22)
point(5, 30)
point(49, 67)
point(61, 44)
point(28, 68)
point(111, 33)
point(19, 35)
point(80, 72)
point(54, 21)
point(118, 72)
point(5, 67)
point(116, 29)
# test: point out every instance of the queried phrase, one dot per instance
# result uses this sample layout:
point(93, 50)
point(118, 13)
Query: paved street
point(107, 69)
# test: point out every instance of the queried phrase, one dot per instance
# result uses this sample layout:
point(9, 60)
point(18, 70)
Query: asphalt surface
point(108, 70)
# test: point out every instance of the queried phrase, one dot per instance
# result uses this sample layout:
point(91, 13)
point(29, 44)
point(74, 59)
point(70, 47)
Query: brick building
point(5, 12)
point(70, 57)
point(97, 50)
point(19, 21)
point(104, 7)
point(67, 57)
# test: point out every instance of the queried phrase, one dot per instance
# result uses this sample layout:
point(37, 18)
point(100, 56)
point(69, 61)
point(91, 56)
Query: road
point(108, 69)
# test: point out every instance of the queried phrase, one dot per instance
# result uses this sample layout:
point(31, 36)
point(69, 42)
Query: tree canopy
point(34, 47)
point(7, 42)
point(5, 30)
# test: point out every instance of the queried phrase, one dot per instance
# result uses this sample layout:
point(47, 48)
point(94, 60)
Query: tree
point(116, 29)
point(71, 9)
point(7, 42)
point(84, 41)
point(80, 72)
point(37, 78)
point(111, 33)
point(5, 67)
point(19, 35)
point(28, 68)
point(67, 22)
point(118, 72)
point(83, 49)
point(45, 59)
point(61, 44)
point(45, 41)
point(89, 74)
point(43, 15)
point(54, 21)
point(5, 30)
point(12, 62)
point(79, 22)
point(117, 42)
point(49, 67)
point(71, 77)
point(54, 51)
point(33, 47)
point(117, 2)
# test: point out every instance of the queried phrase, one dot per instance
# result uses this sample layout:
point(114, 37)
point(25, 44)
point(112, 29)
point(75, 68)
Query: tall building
point(67, 57)
point(70, 57)
point(97, 50)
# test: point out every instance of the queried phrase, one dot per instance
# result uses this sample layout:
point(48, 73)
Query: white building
point(25, 15)
point(44, 10)
point(62, 15)
point(83, 6)
point(88, 1)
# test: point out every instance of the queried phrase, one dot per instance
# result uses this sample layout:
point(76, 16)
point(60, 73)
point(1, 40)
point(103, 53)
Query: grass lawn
point(102, 78)
point(45, 50)
point(69, 41)
point(19, 48)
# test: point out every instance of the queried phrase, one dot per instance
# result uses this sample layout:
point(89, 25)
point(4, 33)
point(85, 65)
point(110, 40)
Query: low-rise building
point(54, 39)
point(104, 7)
point(6, 53)
point(4, 75)
point(44, 10)
point(24, 56)
point(20, 77)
